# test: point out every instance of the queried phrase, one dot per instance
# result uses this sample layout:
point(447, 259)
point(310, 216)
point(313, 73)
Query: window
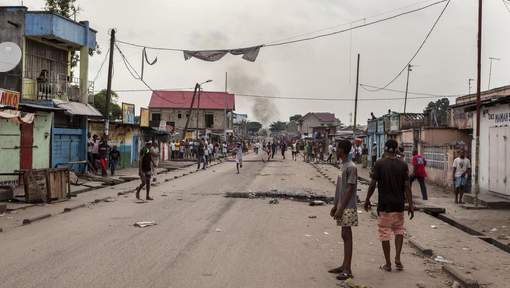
point(187, 116)
point(179, 115)
point(209, 120)
point(156, 118)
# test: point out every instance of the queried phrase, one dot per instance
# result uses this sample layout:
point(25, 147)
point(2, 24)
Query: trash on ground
point(179, 198)
point(317, 203)
point(326, 233)
point(109, 200)
point(143, 224)
point(252, 195)
point(308, 235)
point(312, 216)
point(433, 226)
point(494, 230)
point(164, 195)
point(440, 259)
point(218, 230)
point(274, 201)
point(359, 211)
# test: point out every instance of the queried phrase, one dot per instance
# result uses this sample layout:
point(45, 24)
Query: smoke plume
point(264, 109)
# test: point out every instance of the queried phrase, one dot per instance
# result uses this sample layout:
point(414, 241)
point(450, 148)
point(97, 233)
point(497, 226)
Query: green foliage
point(100, 104)
point(64, 8)
point(296, 117)
point(278, 126)
point(439, 111)
point(253, 127)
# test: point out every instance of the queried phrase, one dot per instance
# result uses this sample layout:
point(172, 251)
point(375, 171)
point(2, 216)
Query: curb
point(420, 247)
point(465, 281)
point(69, 209)
point(27, 221)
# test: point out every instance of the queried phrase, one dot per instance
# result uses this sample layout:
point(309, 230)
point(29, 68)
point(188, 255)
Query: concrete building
point(169, 110)
point(318, 122)
point(494, 134)
point(53, 97)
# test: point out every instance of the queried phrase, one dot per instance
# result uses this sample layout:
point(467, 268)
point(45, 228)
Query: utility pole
point(490, 70)
point(190, 110)
point(198, 109)
point(356, 100)
point(109, 85)
point(407, 86)
point(469, 85)
point(225, 108)
point(478, 88)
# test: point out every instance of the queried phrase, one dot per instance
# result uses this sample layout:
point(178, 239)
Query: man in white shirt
point(461, 171)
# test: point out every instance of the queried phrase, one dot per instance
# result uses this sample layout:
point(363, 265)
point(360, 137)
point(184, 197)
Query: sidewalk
point(470, 255)
point(20, 211)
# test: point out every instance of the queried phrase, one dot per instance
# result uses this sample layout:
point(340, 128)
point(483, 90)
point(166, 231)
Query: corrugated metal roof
point(77, 108)
point(182, 100)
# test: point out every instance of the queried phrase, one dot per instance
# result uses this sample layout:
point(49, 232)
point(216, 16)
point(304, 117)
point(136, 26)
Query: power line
point(332, 99)
point(364, 86)
point(418, 50)
point(102, 64)
point(308, 38)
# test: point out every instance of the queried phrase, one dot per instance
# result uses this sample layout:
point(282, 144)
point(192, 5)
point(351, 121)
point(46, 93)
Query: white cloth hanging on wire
point(249, 54)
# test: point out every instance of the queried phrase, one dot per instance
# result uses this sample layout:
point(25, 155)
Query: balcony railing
point(60, 88)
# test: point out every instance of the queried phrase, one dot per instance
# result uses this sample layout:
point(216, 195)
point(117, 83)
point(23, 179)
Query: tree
point(278, 126)
point(253, 127)
point(438, 111)
point(296, 117)
point(100, 104)
point(64, 8)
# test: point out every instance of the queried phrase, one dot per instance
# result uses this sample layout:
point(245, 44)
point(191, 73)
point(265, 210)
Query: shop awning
point(77, 108)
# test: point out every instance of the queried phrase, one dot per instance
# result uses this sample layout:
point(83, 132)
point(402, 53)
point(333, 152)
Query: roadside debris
point(252, 195)
point(143, 224)
point(433, 226)
point(274, 201)
point(218, 230)
point(312, 216)
point(308, 235)
point(493, 230)
point(440, 259)
point(317, 203)
point(326, 233)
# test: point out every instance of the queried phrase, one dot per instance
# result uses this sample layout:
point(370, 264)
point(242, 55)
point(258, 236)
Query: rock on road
point(203, 239)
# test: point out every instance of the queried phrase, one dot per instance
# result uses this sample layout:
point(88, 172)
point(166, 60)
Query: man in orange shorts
point(391, 176)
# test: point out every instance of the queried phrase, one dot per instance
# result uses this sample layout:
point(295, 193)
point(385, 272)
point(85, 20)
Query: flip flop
point(336, 270)
point(344, 276)
point(385, 268)
point(399, 266)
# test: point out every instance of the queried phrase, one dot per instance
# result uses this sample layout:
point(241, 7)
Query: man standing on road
point(461, 170)
point(374, 154)
point(155, 159)
point(200, 154)
point(114, 159)
point(344, 209)
point(103, 156)
point(144, 170)
point(283, 147)
point(419, 172)
point(294, 150)
point(392, 179)
point(364, 156)
point(273, 149)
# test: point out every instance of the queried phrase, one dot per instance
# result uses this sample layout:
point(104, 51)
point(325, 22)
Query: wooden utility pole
point(356, 99)
point(407, 87)
point(198, 108)
point(478, 88)
point(109, 85)
point(190, 110)
point(225, 108)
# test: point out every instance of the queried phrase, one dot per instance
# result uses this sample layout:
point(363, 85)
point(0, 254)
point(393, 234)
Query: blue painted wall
point(39, 24)
point(68, 145)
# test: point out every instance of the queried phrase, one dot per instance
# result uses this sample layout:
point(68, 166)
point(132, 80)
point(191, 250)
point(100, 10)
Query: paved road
point(204, 239)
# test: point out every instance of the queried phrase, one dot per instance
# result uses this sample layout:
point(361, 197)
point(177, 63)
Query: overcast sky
point(323, 68)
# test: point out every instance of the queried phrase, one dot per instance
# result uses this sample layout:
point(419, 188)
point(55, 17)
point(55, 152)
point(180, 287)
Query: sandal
point(399, 266)
point(344, 276)
point(385, 267)
point(336, 270)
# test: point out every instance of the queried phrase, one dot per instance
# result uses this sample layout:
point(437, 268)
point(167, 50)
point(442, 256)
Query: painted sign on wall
point(128, 113)
point(144, 117)
point(9, 98)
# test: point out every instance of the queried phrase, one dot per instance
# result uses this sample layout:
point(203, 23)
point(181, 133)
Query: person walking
point(283, 147)
point(391, 176)
point(114, 159)
point(103, 156)
point(461, 170)
point(239, 156)
point(330, 153)
point(364, 156)
point(294, 150)
point(155, 159)
point(374, 154)
point(273, 149)
point(200, 155)
point(144, 170)
point(419, 162)
point(344, 209)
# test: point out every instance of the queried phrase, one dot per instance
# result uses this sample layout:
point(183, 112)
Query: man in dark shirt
point(201, 154)
point(103, 156)
point(144, 170)
point(114, 159)
point(391, 176)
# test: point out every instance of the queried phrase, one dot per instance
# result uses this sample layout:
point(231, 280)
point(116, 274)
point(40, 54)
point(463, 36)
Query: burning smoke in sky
point(264, 110)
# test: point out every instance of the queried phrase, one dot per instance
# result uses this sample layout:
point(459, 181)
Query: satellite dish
point(10, 56)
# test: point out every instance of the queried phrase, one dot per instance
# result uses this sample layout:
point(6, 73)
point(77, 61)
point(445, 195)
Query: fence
point(437, 163)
